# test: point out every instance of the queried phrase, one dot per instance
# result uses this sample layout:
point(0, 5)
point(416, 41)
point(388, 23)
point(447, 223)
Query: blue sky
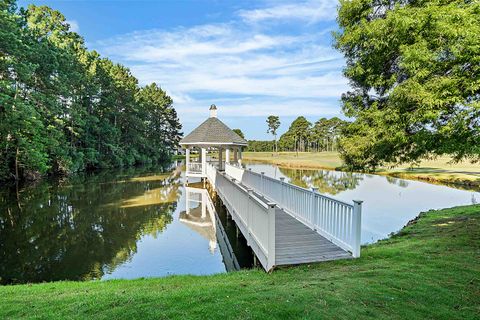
point(250, 58)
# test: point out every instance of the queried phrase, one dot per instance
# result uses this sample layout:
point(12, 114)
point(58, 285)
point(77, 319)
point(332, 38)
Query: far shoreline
point(462, 176)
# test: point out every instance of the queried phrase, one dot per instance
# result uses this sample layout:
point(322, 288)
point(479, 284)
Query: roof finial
point(213, 111)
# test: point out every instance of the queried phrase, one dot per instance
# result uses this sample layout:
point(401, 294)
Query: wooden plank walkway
point(295, 243)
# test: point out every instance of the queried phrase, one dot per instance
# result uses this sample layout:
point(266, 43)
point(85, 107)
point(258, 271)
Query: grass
point(428, 270)
point(436, 171)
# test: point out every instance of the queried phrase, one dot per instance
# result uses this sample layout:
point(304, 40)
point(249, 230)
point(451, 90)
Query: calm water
point(389, 203)
point(116, 224)
point(145, 223)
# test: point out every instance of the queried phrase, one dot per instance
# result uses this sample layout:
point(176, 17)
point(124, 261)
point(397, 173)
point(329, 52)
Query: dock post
point(282, 186)
point(263, 182)
point(271, 236)
point(249, 215)
point(313, 211)
point(357, 226)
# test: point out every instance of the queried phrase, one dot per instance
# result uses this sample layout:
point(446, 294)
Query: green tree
point(273, 123)
point(260, 146)
point(160, 122)
point(64, 108)
point(415, 71)
point(326, 132)
point(23, 146)
point(239, 132)
point(298, 135)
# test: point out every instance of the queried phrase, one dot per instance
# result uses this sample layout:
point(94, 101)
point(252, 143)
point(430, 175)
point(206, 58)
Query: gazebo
point(211, 135)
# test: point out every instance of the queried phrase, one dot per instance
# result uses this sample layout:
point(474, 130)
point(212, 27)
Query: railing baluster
point(330, 217)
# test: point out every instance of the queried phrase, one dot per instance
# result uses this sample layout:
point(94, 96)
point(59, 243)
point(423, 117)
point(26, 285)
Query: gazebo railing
point(194, 167)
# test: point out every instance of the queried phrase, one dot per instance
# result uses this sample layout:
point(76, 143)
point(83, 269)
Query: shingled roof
point(213, 131)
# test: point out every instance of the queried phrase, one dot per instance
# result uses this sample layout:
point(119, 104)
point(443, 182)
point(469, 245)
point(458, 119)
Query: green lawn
point(431, 269)
point(438, 170)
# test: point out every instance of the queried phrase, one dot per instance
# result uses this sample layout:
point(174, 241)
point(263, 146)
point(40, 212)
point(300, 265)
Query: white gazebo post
point(204, 204)
point(220, 158)
point(227, 155)
point(187, 200)
point(239, 155)
point(203, 154)
point(235, 155)
point(187, 157)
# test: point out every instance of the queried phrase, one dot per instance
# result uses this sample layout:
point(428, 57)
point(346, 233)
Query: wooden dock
point(285, 224)
point(282, 223)
point(295, 243)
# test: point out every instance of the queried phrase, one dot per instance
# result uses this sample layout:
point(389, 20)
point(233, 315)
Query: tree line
point(302, 136)
point(64, 108)
point(414, 71)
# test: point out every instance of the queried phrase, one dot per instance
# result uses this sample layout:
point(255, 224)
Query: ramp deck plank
point(297, 244)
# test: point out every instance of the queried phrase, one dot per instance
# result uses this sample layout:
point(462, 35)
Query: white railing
point(211, 173)
point(336, 220)
point(216, 163)
point(233, 171)
point(253, 216)
point(194, 167)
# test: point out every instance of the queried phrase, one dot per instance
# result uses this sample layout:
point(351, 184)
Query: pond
point(389, 203)
point(114, 224)
point(145, 223)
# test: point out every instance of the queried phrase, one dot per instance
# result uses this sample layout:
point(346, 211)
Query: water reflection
point(116, 224)
point(201, 216)
point(79, 229)
point(399, 182)
point(331, 182)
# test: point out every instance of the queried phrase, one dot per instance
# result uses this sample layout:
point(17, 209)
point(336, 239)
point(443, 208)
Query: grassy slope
point(431, 269)
point(438, 170)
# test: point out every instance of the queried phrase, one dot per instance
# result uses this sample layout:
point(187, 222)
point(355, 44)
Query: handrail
point(299, 188)
point(253, 215)
point(336, 220)
point(195, 167)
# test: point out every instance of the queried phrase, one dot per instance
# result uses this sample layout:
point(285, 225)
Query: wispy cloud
point(245, 70)
point(310, 11)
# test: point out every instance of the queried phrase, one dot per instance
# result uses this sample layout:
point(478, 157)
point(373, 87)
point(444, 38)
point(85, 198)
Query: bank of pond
point(145, 222)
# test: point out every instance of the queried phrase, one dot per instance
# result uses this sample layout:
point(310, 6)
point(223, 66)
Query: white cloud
point(311, 11)
point(74, 27)
point(244, 70)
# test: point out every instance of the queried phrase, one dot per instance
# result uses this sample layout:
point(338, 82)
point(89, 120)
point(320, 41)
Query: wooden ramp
point(285, 224)
point(295, 243)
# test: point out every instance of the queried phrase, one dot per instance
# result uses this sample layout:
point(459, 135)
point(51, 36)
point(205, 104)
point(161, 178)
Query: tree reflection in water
point(329, 182)
point(399, 182)
point(84, 226)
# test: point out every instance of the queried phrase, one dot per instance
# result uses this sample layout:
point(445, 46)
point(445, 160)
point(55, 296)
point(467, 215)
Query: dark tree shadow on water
point(84, 226)
point(329, 182)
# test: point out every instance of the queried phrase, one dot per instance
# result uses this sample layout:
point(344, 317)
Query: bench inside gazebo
point(210, 140)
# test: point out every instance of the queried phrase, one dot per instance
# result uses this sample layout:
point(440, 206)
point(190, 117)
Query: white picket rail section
point(234, 171)
point(194, 167)
point(254, 217)
point(211, 173)
point(335, 220)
